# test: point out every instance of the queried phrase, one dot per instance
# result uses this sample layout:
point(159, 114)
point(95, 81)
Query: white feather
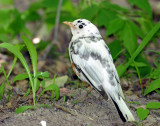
point(93, 70)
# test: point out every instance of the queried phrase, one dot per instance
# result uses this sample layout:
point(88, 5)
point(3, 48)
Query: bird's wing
point(115, 71)
point(93, 60)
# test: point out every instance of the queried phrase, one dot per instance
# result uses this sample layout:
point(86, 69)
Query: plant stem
point(139, 76)
point(48, 48)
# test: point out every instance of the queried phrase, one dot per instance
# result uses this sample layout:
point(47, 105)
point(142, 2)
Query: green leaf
point(142, 113)
point(120, 68)
point(4, 37)
point(51, 87)
point(38, 84)
point(115, 48)
point(17, 53)
point(140, 47)
point(158, 52)
point(43, 84)
point(6, 2)
point(32, 52)
point(32, 16)
point(68, 5)
point(115, 26)
point(156, 62)
point(113, 7)
point(153, 86)
point(28, 92)
point(153, 105)
point(137, 30)
point(129, 38)
point(43, 105)
point(18, 24)
point(155, 74)
point(43, 4)
point(145, 25)
point(49, 3)
point(33, 56)
point(23, 108)
point(109, 16)
point(139, 64)
point(21, 76)
point(43, 74)
point(5, 17)
point(143, 4)
point(144, 70)
point(90, 12)
point(5, 75)
point(2, 90)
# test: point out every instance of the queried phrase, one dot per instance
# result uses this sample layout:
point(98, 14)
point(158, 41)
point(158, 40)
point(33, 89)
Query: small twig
point(48, 48)
point(64, 109)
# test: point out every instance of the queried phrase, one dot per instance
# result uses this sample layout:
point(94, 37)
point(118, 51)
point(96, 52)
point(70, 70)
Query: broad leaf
point(120, 68)
point(144, 70)
point(32, 16)
point(142, 113)
point(52, 87)
point(155, 74)
point(89, 12)
point(109, 16)
point(21, 76)
point(153, 86)
point(129, 38)
point(115, 26)
point(114, 7)
point(137, 30)
point(153, 105)
point(115, 48)
point(43, 74)
point(6, 2)
point(145, 41)
point(49, 3)
point(4, 37)
point(18, 24)
point(143, 4)
point(23, 108)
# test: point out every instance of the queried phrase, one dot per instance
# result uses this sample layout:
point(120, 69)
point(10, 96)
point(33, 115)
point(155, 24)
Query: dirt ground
point(94, 111)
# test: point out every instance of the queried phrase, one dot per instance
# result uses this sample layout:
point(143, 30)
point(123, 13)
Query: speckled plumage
point(93, 64)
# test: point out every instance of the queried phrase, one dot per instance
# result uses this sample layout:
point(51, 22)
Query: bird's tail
point(123, 111)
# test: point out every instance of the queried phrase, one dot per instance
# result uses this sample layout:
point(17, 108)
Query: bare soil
point(94, 111)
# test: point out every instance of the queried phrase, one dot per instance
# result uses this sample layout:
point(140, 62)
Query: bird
point(92, 62)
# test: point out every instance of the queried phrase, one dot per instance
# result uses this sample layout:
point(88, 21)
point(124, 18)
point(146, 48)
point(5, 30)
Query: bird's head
point(82, 28)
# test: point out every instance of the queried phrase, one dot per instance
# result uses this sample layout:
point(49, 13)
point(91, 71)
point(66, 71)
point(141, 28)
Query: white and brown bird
point(92, 62)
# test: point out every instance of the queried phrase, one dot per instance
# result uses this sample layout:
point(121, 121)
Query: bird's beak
point(69, 24)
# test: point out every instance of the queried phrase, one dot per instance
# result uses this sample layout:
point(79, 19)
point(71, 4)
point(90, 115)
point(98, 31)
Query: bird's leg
point(90, 88)
point(89, 91)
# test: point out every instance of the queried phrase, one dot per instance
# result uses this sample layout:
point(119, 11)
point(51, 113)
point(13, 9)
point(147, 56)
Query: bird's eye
point(80, 26)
